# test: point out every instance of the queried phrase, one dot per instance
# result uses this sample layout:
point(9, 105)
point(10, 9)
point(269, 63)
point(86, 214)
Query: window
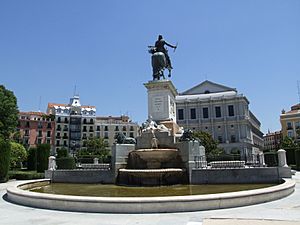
point(232, 138)
point(230, 110)
point(98, 134)
point(124, 128)
point(84, 129)
point(290, 134)
point(40, 133)
point(218, 111)
point(193, 114)
point(106, 128)
point(220, 139)
point(131, 135)
point(48, 133)
point(131, 128)
point(98, 128)
point(180, 114)
point(289, 125)
point(105, 135)
point(57, 143)
point(205, 113)
point(117, 128)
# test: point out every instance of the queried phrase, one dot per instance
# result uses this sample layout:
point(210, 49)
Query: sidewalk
point(284, 212)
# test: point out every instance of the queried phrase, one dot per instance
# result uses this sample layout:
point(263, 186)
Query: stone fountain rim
point(146, 204)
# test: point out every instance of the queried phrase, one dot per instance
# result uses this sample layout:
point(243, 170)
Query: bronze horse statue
point(159, 64)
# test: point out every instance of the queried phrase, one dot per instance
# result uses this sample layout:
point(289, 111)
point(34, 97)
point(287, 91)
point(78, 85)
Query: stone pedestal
point(282, 158)
point(120, 155)
point(164, 140)
point(161, 100)
point(189, 150)
point(52, 163)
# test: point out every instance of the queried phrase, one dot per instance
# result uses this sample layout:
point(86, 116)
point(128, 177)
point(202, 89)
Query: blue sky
point(48, 47)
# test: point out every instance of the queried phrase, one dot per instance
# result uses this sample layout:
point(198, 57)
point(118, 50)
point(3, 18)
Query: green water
point(101, 190)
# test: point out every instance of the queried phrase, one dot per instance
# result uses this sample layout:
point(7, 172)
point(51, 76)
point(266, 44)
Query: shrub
point(290, 156)
point(18, 155)
point(297, 159)
point(62, 152)
point(42, 155)
point(25, 175)
point(31, 159)
point(4, 159)
point(65, 163)
point(271, 159)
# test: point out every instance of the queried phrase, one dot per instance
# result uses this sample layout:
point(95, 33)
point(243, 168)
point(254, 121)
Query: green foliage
point(211, 146)
point(62, 152)
point(288, 142)
point(271, 159)
point(42, 155)
point(25, 175)
point(31, 159)
point(96, 147)
point(290, 156)
point(8, 112)
point(65, 163)
point(18, 155)
point(4, 159)
point(297, 158)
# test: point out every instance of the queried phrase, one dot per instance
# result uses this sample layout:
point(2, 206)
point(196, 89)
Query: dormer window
point(207, 92)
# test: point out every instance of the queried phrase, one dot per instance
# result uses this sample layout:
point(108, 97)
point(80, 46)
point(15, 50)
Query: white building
point(74, 123)
point(222, 112)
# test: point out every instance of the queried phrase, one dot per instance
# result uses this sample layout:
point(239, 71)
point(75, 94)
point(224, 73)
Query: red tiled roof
point(33, 113)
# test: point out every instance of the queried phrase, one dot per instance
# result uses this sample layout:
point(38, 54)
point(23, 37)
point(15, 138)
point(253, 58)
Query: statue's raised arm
point(160, 58)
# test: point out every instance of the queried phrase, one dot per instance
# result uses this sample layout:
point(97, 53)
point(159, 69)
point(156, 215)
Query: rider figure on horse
point(160, 47)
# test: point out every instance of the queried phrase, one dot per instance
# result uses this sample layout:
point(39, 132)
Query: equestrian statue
point(160, 58)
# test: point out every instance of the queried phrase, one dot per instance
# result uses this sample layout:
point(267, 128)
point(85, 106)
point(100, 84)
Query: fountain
point(157, 159)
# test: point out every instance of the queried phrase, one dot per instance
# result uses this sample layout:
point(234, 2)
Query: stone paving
point(281, 212)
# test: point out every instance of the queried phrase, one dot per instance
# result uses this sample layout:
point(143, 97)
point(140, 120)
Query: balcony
point(289, 128)
point(58, 137)
point(65, 137)
point(66, 129)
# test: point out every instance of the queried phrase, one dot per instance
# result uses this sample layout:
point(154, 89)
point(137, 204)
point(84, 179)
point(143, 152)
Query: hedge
point(65, 163)
point(290, 156)
point(271, 159)
point(25, 175)
point(42, 155)
point(31, 159)
point(223, 157)
point(4, 159)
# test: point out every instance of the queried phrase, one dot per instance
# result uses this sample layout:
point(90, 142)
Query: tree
point(42, 155)
point(18, 155)
point(96, 147)
point(8, 112)
point(4, 159)
point(288, 142)
point(211, 146)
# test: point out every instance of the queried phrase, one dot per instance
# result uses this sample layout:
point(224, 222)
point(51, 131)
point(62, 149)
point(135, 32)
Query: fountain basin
point(18, 195)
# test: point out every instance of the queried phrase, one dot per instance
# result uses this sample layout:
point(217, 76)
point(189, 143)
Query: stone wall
point(81, 176)
point(240, 175)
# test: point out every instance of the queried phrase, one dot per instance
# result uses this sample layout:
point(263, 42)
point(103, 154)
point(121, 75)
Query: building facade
point(290, 123)
point(108, 127)
point(75, 123)
point(35, 128)
point(272, 141)
point(222, 112)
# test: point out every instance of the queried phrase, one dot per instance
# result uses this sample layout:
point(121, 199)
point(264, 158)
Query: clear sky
point(48, 47)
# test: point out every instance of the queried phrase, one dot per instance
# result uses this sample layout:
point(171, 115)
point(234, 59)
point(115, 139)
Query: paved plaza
point(281, 212)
